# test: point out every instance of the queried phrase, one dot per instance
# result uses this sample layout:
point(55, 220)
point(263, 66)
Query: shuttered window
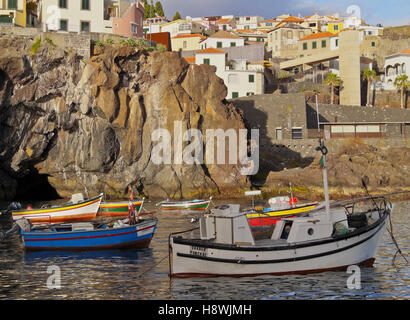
point(12, 4)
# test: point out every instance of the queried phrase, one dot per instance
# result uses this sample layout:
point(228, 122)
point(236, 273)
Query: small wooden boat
point(194, 205)
point(77, 209)
point(87, 235)
point(119, 209)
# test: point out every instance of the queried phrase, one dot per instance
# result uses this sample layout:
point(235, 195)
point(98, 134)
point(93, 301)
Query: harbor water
point(143, 274)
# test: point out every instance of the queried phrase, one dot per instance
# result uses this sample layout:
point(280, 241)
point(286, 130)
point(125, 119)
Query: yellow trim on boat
point(62, 208)
point(280, 212)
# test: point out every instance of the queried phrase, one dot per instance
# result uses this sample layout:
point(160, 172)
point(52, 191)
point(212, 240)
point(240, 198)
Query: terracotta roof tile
point(223, 20)
point(189, 36)
point(224, 35)
point(210, 50)
point(320, 35)
point(190, 59)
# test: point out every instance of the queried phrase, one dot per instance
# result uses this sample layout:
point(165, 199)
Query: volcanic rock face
point(87, 125)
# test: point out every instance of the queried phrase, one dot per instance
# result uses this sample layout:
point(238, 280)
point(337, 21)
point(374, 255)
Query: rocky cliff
point(87, 124)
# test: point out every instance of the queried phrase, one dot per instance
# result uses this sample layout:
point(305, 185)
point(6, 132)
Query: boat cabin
point(227, 225)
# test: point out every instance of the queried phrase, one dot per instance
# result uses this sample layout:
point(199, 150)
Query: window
point(184, 44)
point(278, 133)
point(336, 27)
point(233, 44)
point(301, 34)
point(337, 42)
point(373, 44)
point(224, 27)
point(85, 26)
point(12, 4)
point(305, 46)
point(235, 95)
point(323, 43)
point(62, 4)
point(251, 78)
point(314, 45)
point(219, 44)
point(296, 133)
point(250, 94)
point(207, 61)
point(290, 34)
point(64, 25)
point(85, 4)
point(134, 28)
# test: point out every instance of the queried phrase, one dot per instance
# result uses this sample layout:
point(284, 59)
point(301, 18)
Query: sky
point(385, 12)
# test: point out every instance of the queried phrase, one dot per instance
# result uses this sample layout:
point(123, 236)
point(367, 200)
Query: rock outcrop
point(87, 125)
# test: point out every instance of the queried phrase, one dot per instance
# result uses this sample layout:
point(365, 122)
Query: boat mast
point(322, 148)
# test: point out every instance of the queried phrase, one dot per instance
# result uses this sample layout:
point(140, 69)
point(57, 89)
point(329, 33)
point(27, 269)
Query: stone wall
point(81, 43)
point(18, 31)
point(388, 98)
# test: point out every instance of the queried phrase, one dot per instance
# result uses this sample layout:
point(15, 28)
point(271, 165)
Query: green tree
point(177, 16)
point(158, 9)
point(402, 83)
point(149, 10)
point(370, 76)
point(333, 80)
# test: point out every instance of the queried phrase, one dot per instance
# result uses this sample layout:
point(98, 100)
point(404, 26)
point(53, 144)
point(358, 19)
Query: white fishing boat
point(330, 237)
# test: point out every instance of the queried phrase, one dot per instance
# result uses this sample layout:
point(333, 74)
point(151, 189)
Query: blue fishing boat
point(88, 235)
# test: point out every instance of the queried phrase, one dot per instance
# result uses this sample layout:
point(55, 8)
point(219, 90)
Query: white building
point(102, 16)
point(239, 79)
point(226, 23)
point(248, 22)
point(153, 25)
point(74, 16)
point(222, 39)
point(395, 65)
point(182, 27)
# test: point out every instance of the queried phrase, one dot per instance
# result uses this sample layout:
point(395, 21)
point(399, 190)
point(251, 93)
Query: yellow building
point(13, 12)
point(335, 27)
point(187, 42)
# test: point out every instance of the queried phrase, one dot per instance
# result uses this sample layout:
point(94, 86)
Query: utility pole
point(150, 17)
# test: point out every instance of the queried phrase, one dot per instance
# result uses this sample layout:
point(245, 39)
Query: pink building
point(128, 18)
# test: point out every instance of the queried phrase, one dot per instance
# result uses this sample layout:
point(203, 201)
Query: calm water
point(143, 274)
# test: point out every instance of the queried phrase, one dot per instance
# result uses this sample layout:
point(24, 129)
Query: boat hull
point(196, 258)
point(84, 211)
point(117, 209)
point(189, 205)
point(272, 217)
point(137, 236)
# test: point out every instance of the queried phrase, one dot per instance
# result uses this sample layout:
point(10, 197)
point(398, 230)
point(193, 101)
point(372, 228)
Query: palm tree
point(402, 83)
point(334, 81)
point(370, 76)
